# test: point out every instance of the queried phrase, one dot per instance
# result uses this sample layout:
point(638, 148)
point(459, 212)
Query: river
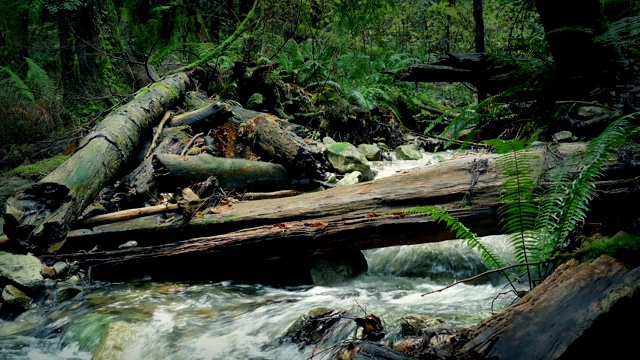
point(235, 320)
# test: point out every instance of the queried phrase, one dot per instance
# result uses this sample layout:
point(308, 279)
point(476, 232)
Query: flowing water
point(232, 320)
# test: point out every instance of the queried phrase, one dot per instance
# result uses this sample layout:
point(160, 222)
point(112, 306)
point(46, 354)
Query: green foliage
point(538, 219)
point(16, 86)
point(255, 100)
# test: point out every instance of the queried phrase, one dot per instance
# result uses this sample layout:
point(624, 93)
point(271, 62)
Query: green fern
point(566, 206)
point(491, 257)
point(39, 82)
point(18, 87)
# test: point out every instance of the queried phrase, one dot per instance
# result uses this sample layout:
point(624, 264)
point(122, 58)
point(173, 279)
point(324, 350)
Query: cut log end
point(30, 218)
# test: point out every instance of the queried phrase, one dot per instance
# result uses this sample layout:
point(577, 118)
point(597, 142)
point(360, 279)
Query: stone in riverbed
point(21, 270)
point(408, 152)
point(370, 152)
point(346, 158)
point(14, 296)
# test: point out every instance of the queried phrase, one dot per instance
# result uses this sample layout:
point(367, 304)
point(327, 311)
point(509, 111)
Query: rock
point(14, 296)
point(419, 324)
point(588, 112)
point(408, 152)
point(581, 311)
point(563, 136)
point(47, 272)
point(346, 158)
point(370, 152)
point(65, 293)
point(128, 245)
point(61, 268)
point(332, 269)
point(351, 178)
point(115, 339)
point(22, 270)
point(367, 350)
point(312, 327)
point(327, 141)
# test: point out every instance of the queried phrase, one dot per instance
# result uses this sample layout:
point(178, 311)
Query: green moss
point(174, 93)
point(38, 170)
point(142, 92)
point(622, 246)
point(339, 147)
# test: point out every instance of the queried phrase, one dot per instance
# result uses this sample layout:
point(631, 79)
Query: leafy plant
point(538, 220)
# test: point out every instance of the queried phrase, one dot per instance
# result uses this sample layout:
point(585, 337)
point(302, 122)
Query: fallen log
point(171, 172)
point(38, 218)
point(270, 140)
point(135, 188)
point(319, 223)
point(581, 311)
point(203, 119)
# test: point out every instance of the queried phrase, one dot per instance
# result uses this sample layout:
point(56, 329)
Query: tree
point(571, 27)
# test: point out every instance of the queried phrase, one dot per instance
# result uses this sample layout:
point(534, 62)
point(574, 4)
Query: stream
point(236, 320)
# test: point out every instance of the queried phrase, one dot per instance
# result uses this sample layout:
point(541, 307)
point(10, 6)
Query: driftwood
point(38, 218)
point(172, 171)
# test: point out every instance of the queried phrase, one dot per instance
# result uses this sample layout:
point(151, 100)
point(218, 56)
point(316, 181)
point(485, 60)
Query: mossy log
point(204, 118)
point(269, 139)
point(171, 172)
point(319, 223)
point(134, 189)
point(38, 218)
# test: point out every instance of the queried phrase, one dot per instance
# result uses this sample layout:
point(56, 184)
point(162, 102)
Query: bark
point(203, 119)
point(571, 27)
point(134, 189)
point(571, 315)
point(38, 217)
point(270, 140)
point(172, 172)
point(313, 224)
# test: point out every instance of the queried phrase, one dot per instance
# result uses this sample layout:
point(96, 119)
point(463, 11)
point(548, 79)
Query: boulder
point(14, 296)
point(345, 158)
point(335, 268)
point(370, 152)
point(21, 270)
point(351, 178)
point(408, 152)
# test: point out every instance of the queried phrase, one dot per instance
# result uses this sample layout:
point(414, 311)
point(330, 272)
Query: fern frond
point(19, 88)
point(578, 192)
point(39, 82)
point(489, 255)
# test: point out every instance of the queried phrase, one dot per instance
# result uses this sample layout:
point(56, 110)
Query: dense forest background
point(330, 65)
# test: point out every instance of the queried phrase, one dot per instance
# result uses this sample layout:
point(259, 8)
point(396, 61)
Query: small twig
point(483, 274)
point(190, 143)
point(146, 61)
point(166, 117)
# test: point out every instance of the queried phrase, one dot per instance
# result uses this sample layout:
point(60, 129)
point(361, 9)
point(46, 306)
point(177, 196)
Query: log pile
point(238, 192)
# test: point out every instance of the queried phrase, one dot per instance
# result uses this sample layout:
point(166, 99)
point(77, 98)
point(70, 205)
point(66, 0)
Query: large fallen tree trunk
point(332, 221)
point(38, 217)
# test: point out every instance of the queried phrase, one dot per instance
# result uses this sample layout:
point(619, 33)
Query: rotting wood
point(173, 171)
point(205, 118)
point(38, 218)
point(335, 220)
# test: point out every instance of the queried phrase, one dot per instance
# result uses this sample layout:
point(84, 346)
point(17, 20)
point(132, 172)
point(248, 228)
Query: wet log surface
point(581, 311)
point(319, 223)
point(171, 172)
point(38, 218)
